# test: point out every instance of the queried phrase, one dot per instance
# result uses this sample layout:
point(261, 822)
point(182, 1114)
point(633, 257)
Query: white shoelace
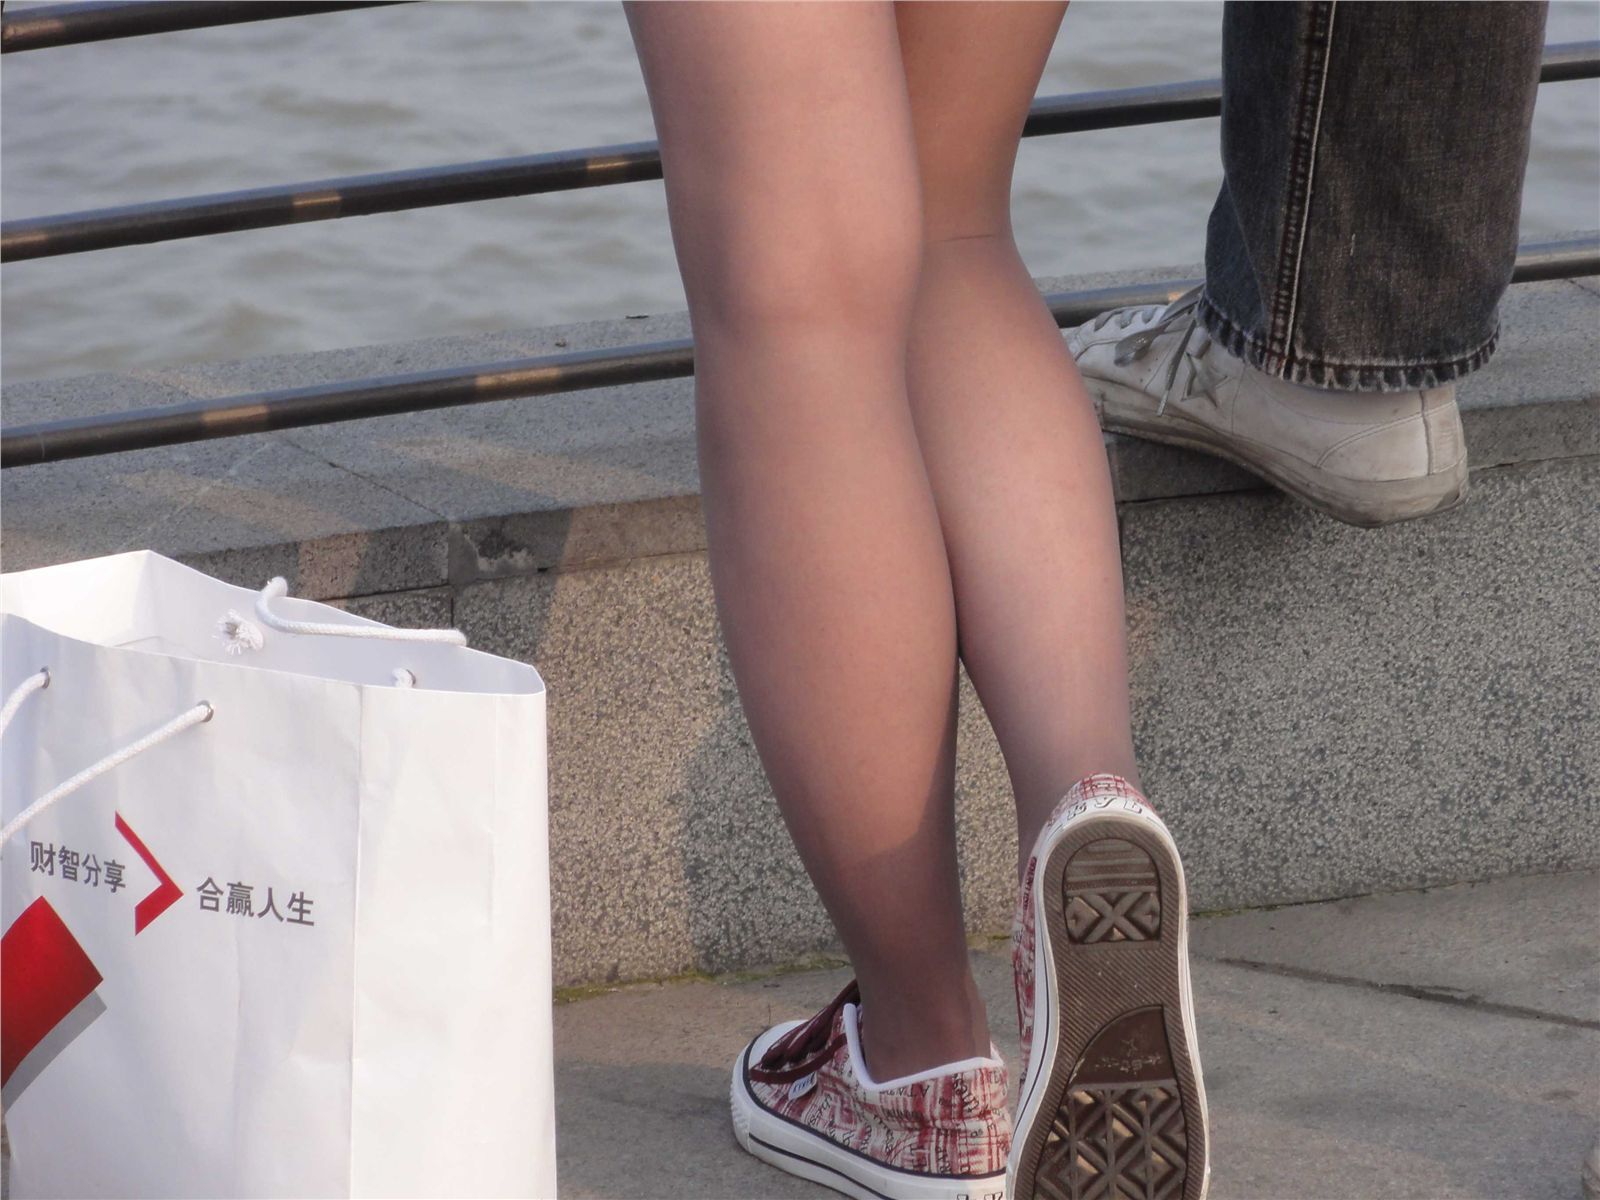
point(1181, 316)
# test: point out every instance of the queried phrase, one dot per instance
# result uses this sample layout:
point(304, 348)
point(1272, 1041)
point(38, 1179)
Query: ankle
point(901, 1038)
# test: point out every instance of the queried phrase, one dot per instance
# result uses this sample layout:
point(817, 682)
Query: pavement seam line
point(1412, 991)
point(348, 470)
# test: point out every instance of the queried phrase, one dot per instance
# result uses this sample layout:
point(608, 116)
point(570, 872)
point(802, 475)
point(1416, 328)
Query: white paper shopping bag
point(292, 936)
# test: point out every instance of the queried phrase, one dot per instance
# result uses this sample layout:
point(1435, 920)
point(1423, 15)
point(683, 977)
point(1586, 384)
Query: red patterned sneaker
point(1112, 1103)
point(803, 1101)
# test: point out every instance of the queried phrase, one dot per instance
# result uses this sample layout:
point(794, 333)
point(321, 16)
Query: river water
point(425, 84)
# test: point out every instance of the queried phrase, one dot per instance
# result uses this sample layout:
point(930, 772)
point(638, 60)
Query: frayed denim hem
point(1340, 377)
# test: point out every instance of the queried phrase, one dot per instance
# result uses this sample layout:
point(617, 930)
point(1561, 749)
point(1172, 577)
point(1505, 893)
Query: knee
point(818, 259)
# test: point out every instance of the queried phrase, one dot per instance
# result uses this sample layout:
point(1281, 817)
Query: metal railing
point(260, 412)
point(544, 375)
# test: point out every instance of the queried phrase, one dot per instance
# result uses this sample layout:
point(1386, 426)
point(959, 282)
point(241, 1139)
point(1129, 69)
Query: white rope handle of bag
point(240, 636)
point(37, 682)
point(278, 588)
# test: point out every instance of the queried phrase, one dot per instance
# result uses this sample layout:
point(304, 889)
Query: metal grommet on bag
point(36, 682)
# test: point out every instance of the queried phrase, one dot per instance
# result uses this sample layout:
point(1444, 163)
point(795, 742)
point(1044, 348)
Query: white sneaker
point(802, 1101)
point(1368, 458)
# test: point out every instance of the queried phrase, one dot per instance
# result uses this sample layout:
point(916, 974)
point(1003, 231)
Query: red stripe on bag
point(166, 893)
point(44, 975)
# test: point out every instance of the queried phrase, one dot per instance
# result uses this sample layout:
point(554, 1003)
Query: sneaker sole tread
point(1119, 1109)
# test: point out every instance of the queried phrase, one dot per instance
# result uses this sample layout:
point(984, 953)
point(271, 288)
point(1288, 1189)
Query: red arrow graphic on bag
point(166, 893)
point(44, 975)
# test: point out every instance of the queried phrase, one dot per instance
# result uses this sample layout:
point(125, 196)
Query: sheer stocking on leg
point(1007, 432)
point(793, 197)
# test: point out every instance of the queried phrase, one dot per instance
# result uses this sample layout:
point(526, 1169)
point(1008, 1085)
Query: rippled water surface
point(424, 84)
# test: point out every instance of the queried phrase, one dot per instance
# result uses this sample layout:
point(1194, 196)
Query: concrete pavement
point(1419, 1045)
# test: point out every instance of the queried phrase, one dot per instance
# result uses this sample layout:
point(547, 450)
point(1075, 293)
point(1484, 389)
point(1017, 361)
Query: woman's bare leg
point(792, 191)
point(1007, 432)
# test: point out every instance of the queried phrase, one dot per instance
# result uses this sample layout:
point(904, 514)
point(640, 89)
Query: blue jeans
point(1373, 157)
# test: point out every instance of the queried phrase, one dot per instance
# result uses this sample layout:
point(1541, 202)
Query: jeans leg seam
point(1311, 175)
point(1302, 167)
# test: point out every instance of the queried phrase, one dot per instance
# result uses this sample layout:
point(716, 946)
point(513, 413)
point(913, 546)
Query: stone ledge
point(570, 481)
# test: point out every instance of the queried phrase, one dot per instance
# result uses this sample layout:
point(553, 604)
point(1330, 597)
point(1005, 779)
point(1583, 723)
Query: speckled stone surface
point(521, 543)
point(1322, 710)
point(243, 510)
point(431, 609)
